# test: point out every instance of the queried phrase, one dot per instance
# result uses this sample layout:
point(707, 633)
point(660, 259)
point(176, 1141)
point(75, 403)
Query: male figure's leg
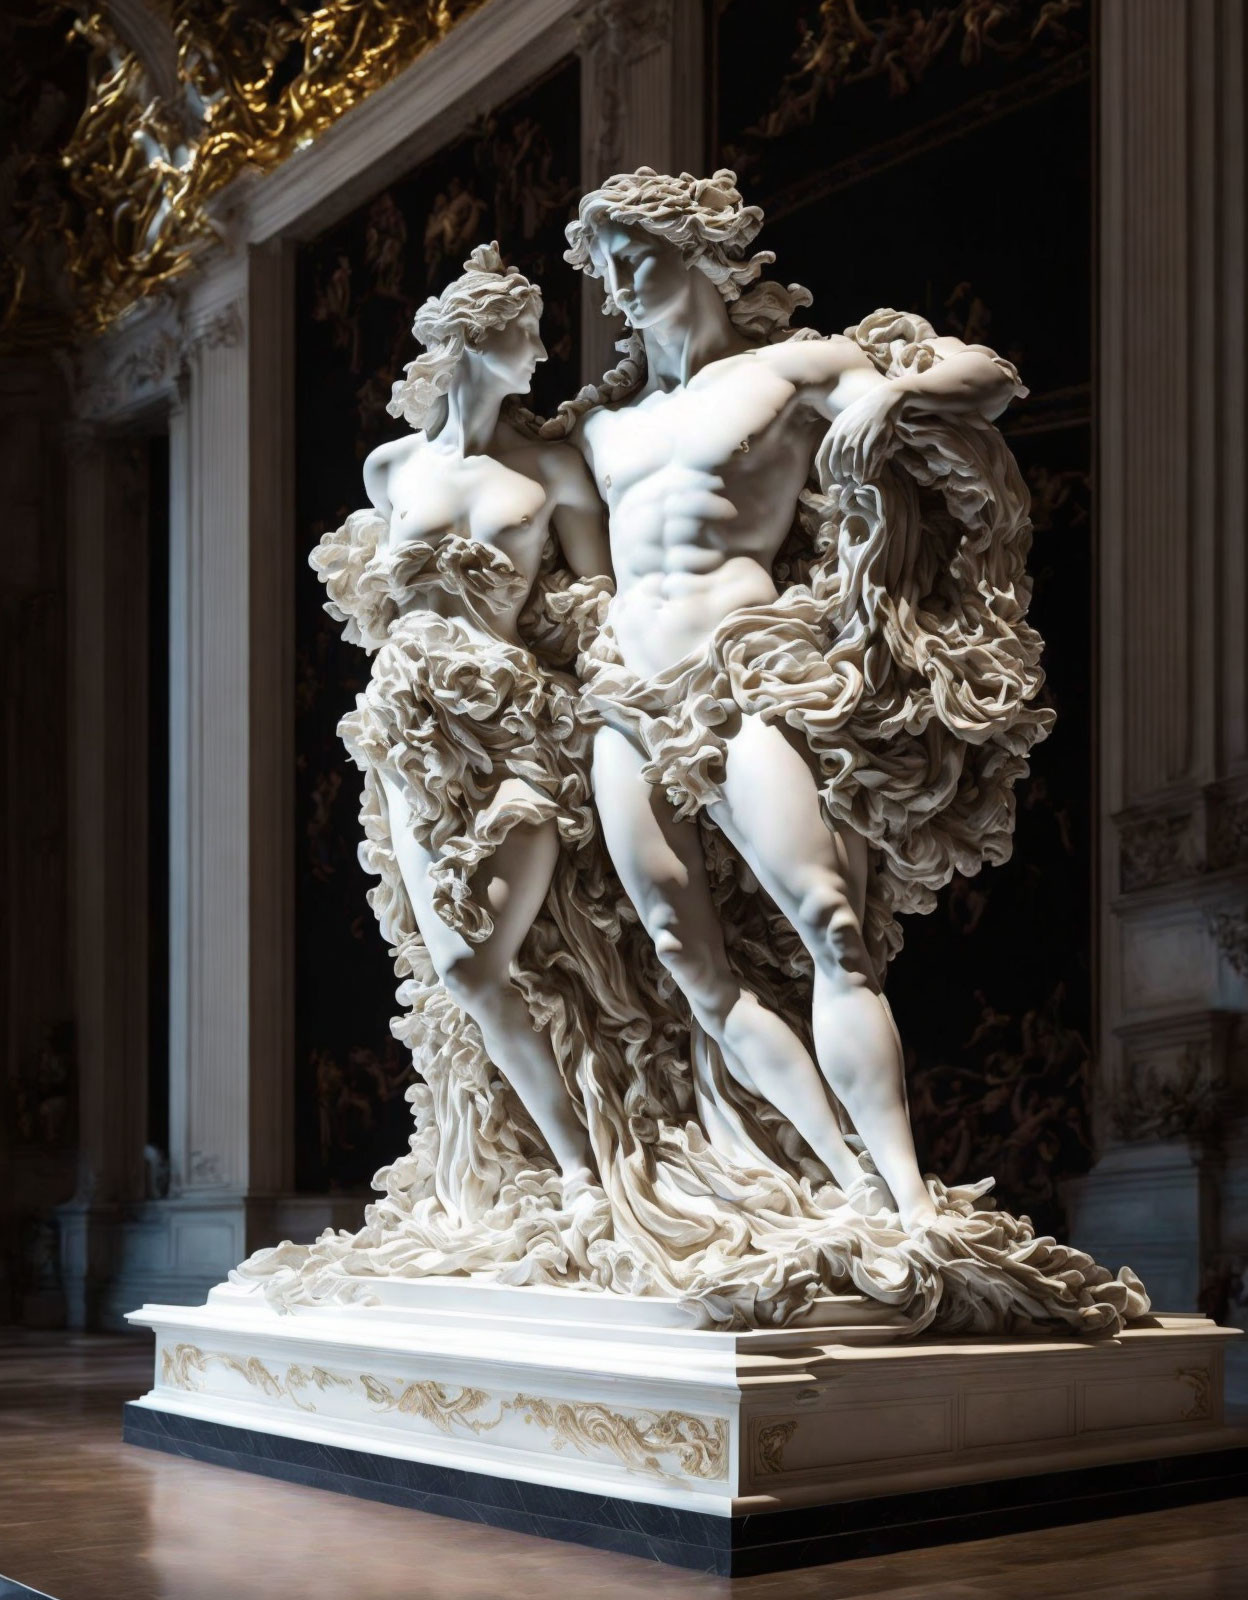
point(772, 813)
point(659, 860)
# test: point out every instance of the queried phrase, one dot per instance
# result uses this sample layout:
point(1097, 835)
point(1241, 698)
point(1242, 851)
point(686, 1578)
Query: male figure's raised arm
point(964, 379)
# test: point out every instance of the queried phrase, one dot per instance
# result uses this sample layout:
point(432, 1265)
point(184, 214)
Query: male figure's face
point(644, 275)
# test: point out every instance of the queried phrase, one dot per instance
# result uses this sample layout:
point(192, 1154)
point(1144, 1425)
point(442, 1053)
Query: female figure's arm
point(377, 475)
point(579, 517)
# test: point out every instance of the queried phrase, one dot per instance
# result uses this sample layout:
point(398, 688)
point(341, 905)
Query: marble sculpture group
point(679, 700)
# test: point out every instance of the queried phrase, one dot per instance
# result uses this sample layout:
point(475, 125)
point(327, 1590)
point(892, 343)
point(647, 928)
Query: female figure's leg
point(817, 876)
point(513, 882)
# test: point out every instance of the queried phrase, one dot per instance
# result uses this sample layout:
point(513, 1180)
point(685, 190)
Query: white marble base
point(594, 1394)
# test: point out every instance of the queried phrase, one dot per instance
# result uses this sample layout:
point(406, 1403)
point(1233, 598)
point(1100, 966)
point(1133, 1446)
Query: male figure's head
point(646, 234)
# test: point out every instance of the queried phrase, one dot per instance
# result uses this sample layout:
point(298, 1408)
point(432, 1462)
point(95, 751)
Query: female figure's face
point(510, 354)
point(644, 275)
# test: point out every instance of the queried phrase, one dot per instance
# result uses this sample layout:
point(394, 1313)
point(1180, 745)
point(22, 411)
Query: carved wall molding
point(1230, 932)
point(1206, 832)
point(1159, 849)
point(145, 363)
point(1228, 841)
point(129, 369)
point(224, 329)
point(1174, 1080)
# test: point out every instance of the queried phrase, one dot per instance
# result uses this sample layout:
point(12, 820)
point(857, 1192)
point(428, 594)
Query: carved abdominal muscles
point(810, 675)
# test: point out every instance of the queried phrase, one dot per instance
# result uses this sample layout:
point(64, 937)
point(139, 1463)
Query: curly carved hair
point(487, 296)
point(709, 223)
point(705, 218)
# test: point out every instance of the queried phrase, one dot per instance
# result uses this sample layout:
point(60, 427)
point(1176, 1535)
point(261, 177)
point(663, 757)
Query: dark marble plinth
point(728, 1546)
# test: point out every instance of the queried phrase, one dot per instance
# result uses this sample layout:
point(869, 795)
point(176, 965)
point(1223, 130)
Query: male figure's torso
point(701, 483)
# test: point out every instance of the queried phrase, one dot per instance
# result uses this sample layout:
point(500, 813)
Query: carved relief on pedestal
point(1200, 1407)
point(770, 1442)
point(664, 1444)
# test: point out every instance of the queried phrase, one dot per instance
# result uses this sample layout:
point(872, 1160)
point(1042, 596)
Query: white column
point(1173, 752)
point(210, 1142)
point(231, 739)
point(271, 724)
point(181, 780)
point(642, 100)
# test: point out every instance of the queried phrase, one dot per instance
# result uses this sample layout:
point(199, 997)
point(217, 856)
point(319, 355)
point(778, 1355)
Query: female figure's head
point(482, 329)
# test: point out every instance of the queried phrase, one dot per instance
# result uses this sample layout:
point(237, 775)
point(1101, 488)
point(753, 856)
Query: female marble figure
point(475, 805)
point(461, 510)
point(574, 1126)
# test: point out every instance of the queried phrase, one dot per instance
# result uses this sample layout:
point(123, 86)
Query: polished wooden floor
point(85, 1517)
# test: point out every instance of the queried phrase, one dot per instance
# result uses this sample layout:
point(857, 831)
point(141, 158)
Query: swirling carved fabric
point(903, 658)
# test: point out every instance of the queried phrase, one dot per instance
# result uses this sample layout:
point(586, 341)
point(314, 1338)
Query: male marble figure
point(701, 465)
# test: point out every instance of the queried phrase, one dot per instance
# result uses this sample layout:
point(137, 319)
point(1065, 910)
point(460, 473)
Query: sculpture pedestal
point(615, 1423)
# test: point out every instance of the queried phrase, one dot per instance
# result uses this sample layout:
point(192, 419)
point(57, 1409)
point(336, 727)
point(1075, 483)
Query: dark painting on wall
point(514, 177)
point(937, 158)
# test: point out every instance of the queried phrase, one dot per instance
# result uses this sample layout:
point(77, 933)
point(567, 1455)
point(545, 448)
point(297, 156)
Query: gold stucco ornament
point(251, 85)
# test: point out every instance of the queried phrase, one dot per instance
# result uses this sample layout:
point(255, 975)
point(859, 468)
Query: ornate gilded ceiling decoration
point(255, 80)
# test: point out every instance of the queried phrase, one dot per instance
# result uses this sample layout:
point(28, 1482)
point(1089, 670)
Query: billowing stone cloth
point(742, 1225)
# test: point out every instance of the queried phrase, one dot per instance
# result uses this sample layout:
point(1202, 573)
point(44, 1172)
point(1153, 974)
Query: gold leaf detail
point(433, 1402)
point(182, 1364)
point(700, 1444)
point(252, 85)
